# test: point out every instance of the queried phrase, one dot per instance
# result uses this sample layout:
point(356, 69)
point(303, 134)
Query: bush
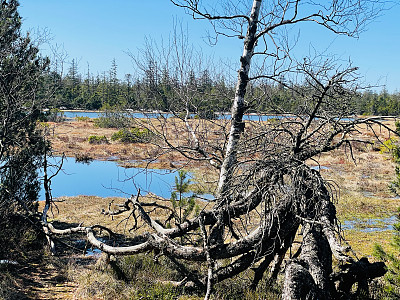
point(388, 146)
point(112, 119)
point(97, 140)
point(392, 277)
point(135, 135)
point(140, 273)
point(82, 119)
point(54, 115)
point(20, 239)
point(83, 158)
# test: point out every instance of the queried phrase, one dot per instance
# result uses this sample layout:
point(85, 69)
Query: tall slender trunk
point(238, 107)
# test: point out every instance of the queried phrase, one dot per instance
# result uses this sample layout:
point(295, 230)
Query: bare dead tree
point(265, 191)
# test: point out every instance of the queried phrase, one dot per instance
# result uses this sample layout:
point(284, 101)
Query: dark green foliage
point(134, 135)
point(381, 104)
point(393, 146)
point(21, 238)
point(160, 89)
point(22, 81)
point(97, 140)
point(113, 118)
point(392, 277)
point(21, 145)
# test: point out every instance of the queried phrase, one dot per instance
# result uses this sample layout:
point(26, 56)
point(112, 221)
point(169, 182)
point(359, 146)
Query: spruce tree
point(392, 277)
point(21, 144)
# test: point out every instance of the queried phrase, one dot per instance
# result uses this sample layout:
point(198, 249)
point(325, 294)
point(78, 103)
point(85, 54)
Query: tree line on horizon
point(157, 89)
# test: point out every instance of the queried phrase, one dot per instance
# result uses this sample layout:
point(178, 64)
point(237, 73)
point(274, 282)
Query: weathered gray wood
point(238, 107)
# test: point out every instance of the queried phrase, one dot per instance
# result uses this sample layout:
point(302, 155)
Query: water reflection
point(108, 179)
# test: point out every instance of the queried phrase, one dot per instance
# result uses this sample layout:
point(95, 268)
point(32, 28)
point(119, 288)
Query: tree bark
point(238, 107)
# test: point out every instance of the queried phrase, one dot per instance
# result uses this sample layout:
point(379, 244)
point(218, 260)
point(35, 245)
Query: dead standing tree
point(266, 191)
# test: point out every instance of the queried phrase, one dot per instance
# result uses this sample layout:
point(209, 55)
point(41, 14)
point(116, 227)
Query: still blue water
point(222, 116)
point(95, 114)
point(108, 179)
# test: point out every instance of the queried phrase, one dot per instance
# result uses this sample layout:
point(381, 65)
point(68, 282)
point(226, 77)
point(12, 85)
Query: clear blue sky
point(96, 31)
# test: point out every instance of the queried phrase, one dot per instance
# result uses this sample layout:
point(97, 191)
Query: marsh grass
point(360, 185)
point(147, 278)
point(351, 206)
point(363, 243)
point(9, 286)
point(237, 288)
point(143, 276)
point(88, 211)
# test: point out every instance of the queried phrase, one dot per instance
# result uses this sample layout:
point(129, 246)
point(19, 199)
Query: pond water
point(108, 179)
point(370, 225)
point(221, 116)
point(97, 114)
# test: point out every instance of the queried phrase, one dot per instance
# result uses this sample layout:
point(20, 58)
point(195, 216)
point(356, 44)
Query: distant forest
point(157, 89)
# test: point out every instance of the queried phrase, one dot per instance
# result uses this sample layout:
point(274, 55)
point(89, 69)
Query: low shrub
point(83, 158)
point(21, 237)
point(388, 146)
point(82, 119)
point(147, 278)
point(135, 135)
point(112, 119)
point(140, 273)
point(54, 115)
point(391, 282)
point(97, 140)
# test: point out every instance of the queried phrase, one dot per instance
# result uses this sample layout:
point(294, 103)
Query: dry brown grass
point(361, 182)
point(87, 210)
point(71, 138)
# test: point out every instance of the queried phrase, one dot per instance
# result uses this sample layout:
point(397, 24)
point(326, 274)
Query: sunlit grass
point(352, 206)
point(363, 243)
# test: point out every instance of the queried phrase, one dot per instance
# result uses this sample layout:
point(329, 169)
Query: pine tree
point(182, 205)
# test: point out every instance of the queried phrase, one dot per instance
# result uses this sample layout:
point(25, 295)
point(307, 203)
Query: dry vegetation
point(360, 180)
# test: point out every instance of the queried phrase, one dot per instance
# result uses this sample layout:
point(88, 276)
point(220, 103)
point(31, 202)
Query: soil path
point(45, 282)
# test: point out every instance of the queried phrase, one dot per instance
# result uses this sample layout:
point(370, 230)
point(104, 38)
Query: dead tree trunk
point(265, 190)
point(238, 106)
